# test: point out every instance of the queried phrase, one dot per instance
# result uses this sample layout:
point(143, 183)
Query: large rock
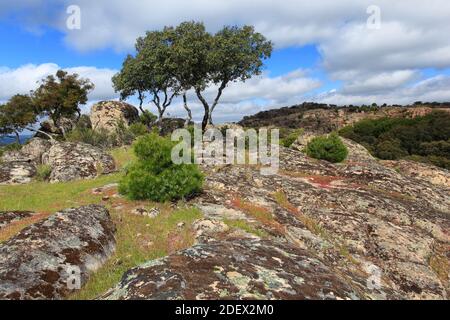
point(244, 269)
point(16, 172)
point(71, 161)
point(49, 259)
point(107, 115)
point(32, 151)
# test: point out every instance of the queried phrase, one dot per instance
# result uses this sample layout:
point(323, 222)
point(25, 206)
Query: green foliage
point(291, 137)
point(172, 61)
point(148, 118)
point(155, 177)
point(61, 96)
point(104, 139)
point(329, 148)
point(425, 139)
point(43, 172)
point(138, 129)
point(16, 115)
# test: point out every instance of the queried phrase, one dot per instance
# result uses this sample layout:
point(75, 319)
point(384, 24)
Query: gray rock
point(72, 161)
point(30, 152)
point(35, 148)
point(49, 259)
point(243, 269)
point(107, 115)
point(16, 172)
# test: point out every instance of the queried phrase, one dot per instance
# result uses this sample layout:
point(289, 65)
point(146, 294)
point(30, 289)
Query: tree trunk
point(17, 137)
point(189, 117)
point(141, 102)
point(206, 116)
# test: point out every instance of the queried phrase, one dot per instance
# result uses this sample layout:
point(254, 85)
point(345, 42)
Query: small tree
point(329, 148)
point(191, 45)
point(131, 80)
point(236, 54)
point(17, 115)
point(154, 50)
point(61, 96)
point(153, 176)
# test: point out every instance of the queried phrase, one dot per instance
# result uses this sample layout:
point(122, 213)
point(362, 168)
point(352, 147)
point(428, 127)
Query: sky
point(337, 52)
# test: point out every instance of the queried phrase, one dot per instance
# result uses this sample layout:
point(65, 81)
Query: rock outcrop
point(32, 151)
point(16, 172)
point(52, 258)
point(242, 269)
point(435, 175)
point(356, 230)
point(71, 161)
point(107, 115)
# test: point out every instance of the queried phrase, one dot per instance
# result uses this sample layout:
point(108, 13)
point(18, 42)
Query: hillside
point(322, 118)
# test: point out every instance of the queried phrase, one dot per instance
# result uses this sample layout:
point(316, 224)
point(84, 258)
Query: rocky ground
point(359, 230)
point(363, 229)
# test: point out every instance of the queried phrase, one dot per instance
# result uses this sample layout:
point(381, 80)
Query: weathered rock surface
point(16, 172)
point(242, 269)
point(357, 230)
point(40, 261)
point(107, 115)
point(71, 161)
point(32, 151)
point(435, 175)
point(7, 218)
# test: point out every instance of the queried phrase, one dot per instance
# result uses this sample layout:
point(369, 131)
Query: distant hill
point(323, 118)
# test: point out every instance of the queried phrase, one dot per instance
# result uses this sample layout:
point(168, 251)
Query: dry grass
point(259, 213)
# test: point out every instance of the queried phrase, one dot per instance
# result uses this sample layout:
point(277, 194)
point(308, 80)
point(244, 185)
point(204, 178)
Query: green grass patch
point(42, 196)
point(140, 239)
point(247, 227)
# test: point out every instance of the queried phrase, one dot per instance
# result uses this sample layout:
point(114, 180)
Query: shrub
point(155, 177)
point(138, 129)
point(329, 148)
point(290, 138)
point(425, 139)
point(99, 138)
point(147, 118)
point(43, 172)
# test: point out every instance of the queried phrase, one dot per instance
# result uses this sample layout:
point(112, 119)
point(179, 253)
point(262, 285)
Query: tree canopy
point(16, 115)
point(174, 60)
point(61, 96)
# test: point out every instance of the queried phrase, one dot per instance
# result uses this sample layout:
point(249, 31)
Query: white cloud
point(370, 65)
point(25, 78)
point(430, 89)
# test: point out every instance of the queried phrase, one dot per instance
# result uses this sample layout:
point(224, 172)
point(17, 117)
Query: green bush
point(104, 139)
point(155, 177)
point(290, 138)
point(43, 172)
point(138, 129)
point(424, 139)
point(329, 148)
point(98, 138)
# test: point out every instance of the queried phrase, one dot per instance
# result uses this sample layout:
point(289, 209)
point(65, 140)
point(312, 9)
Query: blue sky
point(325, 51)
